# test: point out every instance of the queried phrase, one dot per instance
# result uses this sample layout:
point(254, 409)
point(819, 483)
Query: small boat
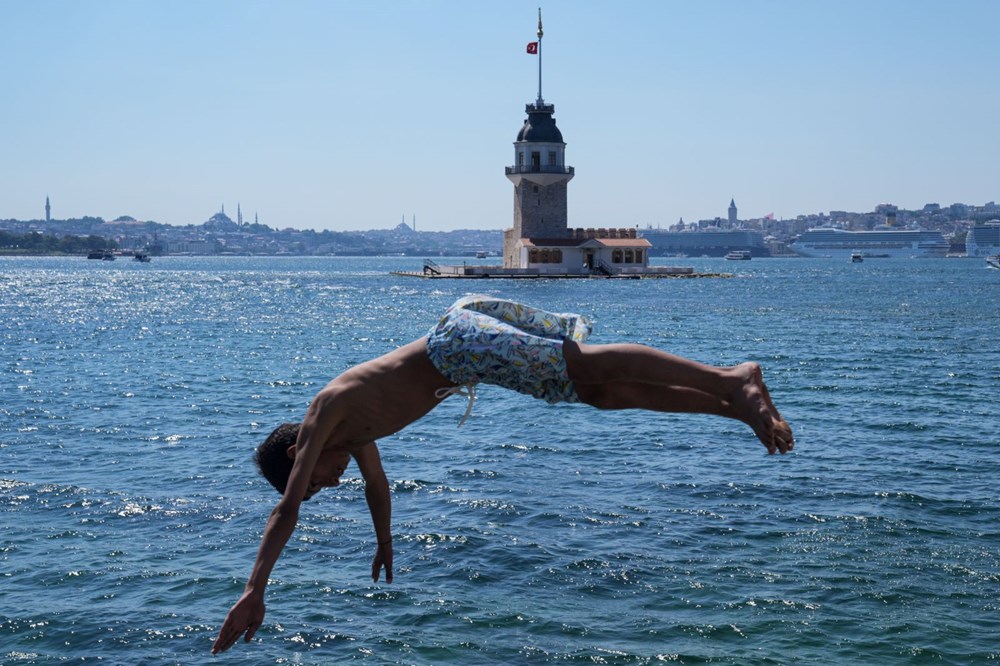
point(142, 256)
point(857, 257)
point(481, 254)
point(738, 255)
point(993, 261)
point(108, 256)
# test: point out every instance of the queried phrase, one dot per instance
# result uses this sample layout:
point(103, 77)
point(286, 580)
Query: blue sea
point(132, 397)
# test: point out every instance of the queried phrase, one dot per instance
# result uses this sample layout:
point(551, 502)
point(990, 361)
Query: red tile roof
point(576, 242)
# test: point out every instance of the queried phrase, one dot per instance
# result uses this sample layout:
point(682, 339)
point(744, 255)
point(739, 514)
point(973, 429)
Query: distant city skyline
point(343, 116)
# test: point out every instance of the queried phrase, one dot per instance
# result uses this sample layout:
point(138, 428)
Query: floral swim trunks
point(490, 340)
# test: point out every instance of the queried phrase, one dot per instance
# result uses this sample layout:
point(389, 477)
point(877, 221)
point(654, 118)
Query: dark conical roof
point(540, 126)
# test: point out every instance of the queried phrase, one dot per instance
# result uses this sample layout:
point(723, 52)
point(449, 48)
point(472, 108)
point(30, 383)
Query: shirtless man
point(478, 339)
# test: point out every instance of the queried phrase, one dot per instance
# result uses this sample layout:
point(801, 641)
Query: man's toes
point(783, 437)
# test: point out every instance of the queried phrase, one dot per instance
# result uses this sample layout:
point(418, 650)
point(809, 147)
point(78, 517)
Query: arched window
point(557, 256)
point(638, 256)
point(628, 256)
point(545, 256)
point(616, 257)
point(533, 256)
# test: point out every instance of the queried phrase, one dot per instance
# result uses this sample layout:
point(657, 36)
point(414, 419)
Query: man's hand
point(246, 615)
point(383, 557)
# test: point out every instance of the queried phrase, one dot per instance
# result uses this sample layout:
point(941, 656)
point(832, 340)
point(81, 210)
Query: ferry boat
point(857, 257)
point(993, 261)
point(738, 255)
point(884, 242)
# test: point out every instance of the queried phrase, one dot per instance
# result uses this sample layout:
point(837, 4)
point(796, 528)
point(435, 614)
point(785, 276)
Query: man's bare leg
point(641, 377)
point(652, 397)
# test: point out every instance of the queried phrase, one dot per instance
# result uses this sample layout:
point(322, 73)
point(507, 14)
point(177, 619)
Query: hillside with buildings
point(219, 234)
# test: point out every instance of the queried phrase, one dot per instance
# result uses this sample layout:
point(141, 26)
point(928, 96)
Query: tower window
point(536, 189)
point(520, 159)
point(552, 158)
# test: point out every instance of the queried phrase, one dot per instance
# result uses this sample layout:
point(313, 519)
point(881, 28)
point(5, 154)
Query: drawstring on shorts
point(468, 390)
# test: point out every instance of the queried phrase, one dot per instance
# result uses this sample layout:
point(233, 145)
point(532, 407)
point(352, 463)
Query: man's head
point(272, 457)
point(275, 458)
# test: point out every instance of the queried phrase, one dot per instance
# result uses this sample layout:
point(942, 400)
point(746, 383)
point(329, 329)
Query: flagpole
point(539, 103)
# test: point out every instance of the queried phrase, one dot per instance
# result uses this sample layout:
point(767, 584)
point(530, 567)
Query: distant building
point(48, 210)
point(889, 211)
point(221, 222)
point(732, 212)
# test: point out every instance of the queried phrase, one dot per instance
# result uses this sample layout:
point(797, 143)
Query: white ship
point(883, 242)
point(983, 240)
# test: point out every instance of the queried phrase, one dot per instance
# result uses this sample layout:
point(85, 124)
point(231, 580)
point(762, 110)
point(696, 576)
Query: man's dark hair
point(272, 455)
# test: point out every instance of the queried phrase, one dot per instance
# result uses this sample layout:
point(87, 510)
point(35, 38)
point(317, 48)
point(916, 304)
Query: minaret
point(539, 174)
point(48, 209)
point(239, 215)
point(732, 212)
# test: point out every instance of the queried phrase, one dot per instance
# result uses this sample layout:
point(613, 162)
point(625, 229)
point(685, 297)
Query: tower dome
point(540, 126)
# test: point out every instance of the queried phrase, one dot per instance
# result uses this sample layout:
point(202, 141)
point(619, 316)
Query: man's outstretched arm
point(247, 613)
point(380, 506)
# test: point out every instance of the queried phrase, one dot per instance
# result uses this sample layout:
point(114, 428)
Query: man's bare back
point(382, 396)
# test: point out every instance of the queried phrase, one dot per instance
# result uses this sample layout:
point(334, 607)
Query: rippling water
point(132, 396)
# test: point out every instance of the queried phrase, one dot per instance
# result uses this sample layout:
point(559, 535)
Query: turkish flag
point(532, 47)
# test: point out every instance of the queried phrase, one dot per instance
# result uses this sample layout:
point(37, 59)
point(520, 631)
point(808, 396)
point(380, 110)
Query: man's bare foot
point(753, 406)
point(783, 437)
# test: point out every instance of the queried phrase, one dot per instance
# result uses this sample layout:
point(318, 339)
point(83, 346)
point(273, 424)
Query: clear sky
point(327, 114)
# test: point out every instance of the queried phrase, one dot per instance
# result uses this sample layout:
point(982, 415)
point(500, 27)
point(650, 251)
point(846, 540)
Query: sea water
point(132, 396)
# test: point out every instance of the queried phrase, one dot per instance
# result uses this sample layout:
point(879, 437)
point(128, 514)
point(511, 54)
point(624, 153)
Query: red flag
point(533, 47)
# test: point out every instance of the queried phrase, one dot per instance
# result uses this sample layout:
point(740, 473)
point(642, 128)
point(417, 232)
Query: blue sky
point(349, 115)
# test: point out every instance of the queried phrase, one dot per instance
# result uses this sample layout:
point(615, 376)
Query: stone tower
point(539, 174)
point(540, 178)
point(732, 212)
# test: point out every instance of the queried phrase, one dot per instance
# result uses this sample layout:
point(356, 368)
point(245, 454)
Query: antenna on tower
point(539, 102)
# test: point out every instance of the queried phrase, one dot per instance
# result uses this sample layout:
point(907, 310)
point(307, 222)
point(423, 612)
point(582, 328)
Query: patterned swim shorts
point(490, 340)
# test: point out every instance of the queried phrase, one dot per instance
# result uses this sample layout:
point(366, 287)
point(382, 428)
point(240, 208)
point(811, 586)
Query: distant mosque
point(222, 222)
